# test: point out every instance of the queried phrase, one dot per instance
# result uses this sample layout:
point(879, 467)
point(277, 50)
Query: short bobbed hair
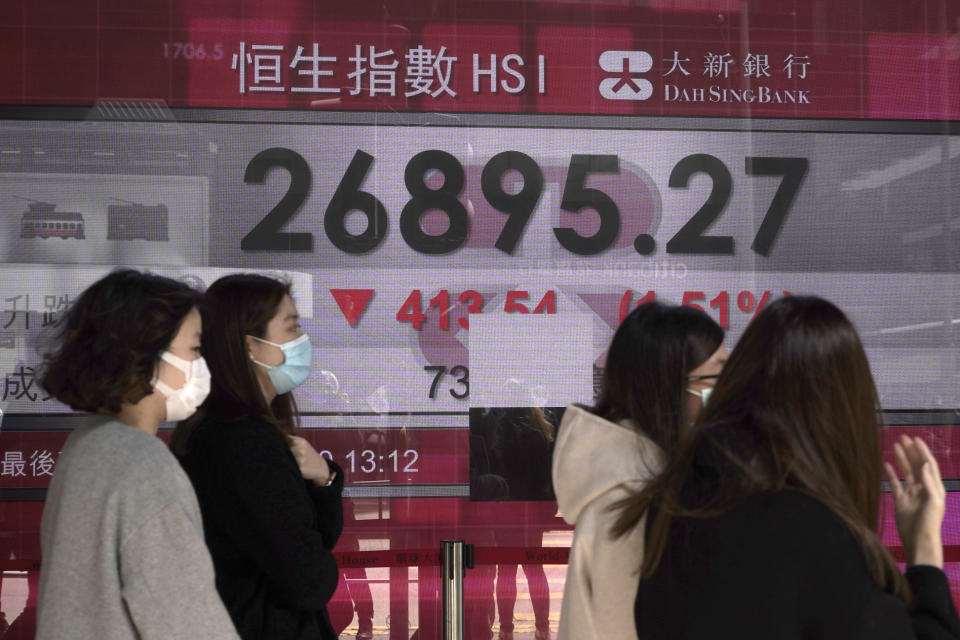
point(108, 344)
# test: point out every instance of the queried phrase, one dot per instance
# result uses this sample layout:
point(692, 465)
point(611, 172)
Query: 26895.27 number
point(690, 239)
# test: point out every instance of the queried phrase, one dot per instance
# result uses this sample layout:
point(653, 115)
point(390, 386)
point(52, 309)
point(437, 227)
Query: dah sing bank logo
point(626, 85)
point(719, 79)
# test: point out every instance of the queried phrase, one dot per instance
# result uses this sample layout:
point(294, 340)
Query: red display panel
point(133, 134)
point(716, 59)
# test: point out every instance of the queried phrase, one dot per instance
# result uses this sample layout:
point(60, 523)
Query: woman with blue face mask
point(271, 504)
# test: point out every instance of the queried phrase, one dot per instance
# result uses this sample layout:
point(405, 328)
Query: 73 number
point(440, 371)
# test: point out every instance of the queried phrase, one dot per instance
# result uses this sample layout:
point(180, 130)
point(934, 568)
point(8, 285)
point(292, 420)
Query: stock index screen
point(468, 198)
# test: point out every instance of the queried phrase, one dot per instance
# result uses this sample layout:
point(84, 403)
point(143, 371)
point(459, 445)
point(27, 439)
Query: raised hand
point(920, 501)
point(313, 466)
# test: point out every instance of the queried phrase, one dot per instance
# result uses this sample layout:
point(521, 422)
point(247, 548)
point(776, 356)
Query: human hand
point(313, 466)
point(920, 502)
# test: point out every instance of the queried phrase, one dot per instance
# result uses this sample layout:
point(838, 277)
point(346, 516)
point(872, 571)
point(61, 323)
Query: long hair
point(234, 307)
point(795, 408)
point(107, 346)
point(645, 380)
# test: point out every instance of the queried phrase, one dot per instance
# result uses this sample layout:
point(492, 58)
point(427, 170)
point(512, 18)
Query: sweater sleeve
point(274, 522)
point(838, 586)
point(931, 615)
point(932, 612)
point(329, 504)
point(168, 579)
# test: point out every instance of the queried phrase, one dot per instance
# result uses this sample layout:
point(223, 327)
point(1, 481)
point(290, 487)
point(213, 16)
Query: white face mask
point(183, 402)
point(703, 395)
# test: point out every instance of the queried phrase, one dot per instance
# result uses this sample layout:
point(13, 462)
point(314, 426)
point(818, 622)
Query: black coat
point(782, 566)
point(269, 531)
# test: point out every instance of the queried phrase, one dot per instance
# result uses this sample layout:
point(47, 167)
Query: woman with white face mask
point(661, 365)
point(122, 535)
point(271, 504)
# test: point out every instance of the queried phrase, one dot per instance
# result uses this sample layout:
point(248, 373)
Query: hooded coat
point(595, 464)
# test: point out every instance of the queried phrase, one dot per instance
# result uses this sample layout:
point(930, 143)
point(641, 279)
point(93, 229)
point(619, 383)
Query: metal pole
point(399, 603)
point(453, 571)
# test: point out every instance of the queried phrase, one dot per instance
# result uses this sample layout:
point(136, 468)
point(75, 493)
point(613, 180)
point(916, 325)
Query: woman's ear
point(250, 342)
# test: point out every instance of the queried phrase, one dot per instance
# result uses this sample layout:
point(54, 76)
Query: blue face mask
point(295, 369)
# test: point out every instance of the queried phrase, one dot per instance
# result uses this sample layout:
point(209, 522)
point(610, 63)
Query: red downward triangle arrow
point(352, 302)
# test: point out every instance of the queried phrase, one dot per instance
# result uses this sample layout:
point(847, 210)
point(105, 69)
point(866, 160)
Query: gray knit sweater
point(122, 540)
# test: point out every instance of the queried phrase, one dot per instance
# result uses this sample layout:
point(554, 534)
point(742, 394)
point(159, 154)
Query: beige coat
point(596, 463)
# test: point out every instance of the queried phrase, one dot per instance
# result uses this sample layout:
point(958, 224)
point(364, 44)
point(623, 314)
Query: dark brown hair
point(108, 344)
point(651, 354)
point(234, 307)
point(795, 408)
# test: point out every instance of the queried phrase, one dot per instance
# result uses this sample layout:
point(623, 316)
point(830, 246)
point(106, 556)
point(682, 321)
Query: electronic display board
point(469, 198)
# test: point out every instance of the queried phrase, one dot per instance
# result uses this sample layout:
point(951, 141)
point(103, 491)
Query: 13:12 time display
point(369, 461)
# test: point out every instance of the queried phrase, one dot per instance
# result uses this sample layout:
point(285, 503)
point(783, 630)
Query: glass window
point(468, 198)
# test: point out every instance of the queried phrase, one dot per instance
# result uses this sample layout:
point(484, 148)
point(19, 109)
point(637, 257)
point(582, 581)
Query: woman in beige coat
point(661, 365)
